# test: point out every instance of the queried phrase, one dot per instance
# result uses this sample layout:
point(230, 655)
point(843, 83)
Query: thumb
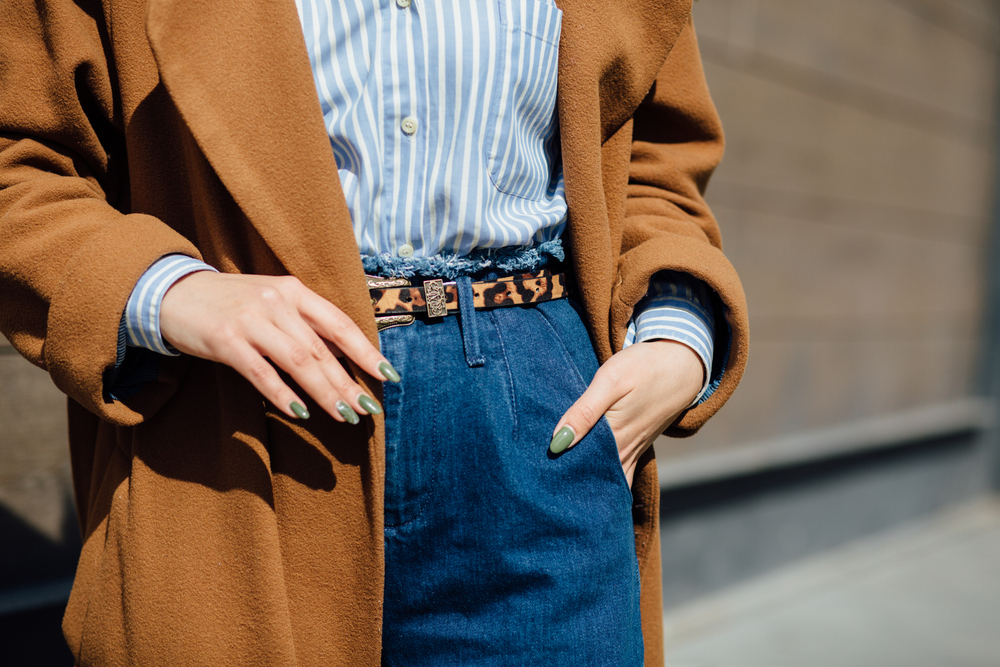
point(583, 415)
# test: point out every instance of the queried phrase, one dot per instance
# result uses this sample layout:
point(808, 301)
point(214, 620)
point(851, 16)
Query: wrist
point(685, 363)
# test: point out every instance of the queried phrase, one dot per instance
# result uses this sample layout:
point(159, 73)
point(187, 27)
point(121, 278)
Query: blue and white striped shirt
point(442, 118)
point(680, 305)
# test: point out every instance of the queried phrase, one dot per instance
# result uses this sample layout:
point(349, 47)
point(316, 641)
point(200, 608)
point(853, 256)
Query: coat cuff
point(84, 318)
point(140, 344)
point(704, 262)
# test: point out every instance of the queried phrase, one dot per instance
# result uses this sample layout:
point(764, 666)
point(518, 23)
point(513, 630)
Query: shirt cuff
point(677, 307)
point(141, 320)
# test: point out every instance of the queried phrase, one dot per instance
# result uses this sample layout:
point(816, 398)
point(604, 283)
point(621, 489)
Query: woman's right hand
point(239, 320)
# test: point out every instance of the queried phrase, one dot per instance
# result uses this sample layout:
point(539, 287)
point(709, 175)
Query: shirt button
point(403, 3)
point(409, 125)
point(405, 250)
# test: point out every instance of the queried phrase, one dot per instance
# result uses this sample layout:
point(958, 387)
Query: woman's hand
point(239, 320)
point(640, 390)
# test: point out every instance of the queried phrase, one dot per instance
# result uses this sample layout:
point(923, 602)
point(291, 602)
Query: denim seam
point(510, 377)
point(432, 484)
point(569, 357)
point(583, 384)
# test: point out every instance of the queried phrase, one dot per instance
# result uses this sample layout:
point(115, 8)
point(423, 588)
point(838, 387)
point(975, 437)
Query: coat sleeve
point(70, 252)
point(677, 143)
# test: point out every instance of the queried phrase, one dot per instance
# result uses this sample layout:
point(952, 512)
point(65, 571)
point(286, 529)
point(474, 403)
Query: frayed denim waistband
point(447, 265)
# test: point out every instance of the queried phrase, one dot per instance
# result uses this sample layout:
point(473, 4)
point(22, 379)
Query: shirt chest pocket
point(522, 143)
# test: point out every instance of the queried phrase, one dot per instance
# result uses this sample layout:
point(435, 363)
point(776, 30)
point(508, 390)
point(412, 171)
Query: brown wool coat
point(216, 531)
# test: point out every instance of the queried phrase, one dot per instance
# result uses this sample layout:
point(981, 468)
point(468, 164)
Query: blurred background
point(840, 511)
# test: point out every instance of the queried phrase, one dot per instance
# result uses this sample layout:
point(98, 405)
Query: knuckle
point(224, 334)
point(587, 414)
point(608, 374)
point(290, 285)
point(222, 341)
point(268, 295)
point(260, 370)
point(320, 350)
point(347, 387)
point(327, 397)
point(611, 380)
point(341, 323)
point(298, 355)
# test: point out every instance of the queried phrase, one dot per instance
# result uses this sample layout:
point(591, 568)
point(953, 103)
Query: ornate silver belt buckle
point(378, 282)
point(434, 297)
point(383, 322)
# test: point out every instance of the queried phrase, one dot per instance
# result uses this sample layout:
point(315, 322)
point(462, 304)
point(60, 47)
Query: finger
point(320, 353)
point(249, 363)
point(332, 394)
point(332, 324)
point(576, 422)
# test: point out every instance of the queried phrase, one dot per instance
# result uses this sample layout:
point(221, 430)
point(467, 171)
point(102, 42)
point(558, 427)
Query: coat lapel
point(606, 67)
point(240, 76)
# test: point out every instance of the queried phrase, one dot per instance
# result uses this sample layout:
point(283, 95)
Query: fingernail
point(370, 405)
point(388, 371)
point(561, 440)
point(347, 412)
point(299, 410)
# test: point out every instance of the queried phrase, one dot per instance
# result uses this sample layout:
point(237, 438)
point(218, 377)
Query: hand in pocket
point(641, 390)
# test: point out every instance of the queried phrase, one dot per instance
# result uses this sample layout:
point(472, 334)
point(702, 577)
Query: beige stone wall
point(38, 533)
point(34, 457)
point(854, 200)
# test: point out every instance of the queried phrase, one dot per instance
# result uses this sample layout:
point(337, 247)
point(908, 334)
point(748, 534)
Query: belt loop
point(467, 321)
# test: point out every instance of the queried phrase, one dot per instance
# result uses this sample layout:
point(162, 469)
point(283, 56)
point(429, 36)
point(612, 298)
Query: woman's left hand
point(640, 390)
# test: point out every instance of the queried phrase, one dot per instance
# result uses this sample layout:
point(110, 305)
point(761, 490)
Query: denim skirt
point(498, 552)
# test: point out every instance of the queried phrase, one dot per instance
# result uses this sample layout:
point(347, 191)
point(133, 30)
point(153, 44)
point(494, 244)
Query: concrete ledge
point(899, 598)
point(935, 421)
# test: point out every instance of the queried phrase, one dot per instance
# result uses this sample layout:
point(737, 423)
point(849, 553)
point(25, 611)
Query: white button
point(409, 125)
point(403, 3)
point(405, 250)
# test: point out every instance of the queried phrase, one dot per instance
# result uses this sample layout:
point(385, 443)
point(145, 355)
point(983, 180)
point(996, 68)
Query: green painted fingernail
point(370, 405)
point(561, 440)
point(347, 412)
point(388, 371)
point(299, 410)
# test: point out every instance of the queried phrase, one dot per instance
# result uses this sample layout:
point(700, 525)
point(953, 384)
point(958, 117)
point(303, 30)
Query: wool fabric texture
point(216, 530)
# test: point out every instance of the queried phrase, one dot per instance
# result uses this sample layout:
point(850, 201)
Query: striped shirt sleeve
point(142, 313)
point(677, 307)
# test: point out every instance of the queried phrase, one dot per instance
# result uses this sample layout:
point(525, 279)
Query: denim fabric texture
point(498, 552)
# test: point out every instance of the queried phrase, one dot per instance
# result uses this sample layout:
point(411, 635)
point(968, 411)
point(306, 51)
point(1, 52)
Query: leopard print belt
point(396, 300)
